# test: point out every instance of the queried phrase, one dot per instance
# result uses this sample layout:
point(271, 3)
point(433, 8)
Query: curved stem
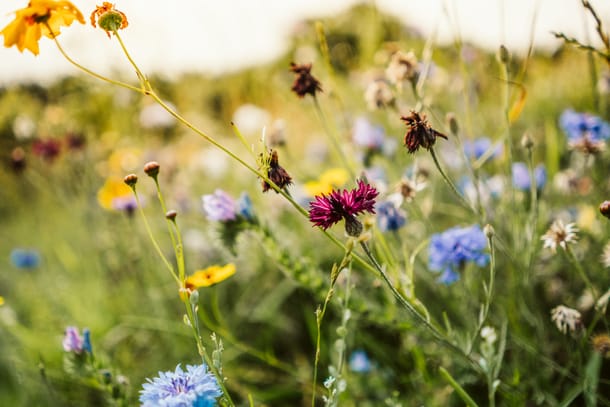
point(449, 182)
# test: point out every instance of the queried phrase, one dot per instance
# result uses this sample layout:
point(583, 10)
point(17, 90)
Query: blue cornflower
point(521, 176)
point(219, 206)
point(243, 206)
point(25, 258)
point(476, 148)
point(585, 132)
point(74, 342)
point(195, 387)
point(367, 135)
point(389, 217)
point(450, 250)
point(359, 362)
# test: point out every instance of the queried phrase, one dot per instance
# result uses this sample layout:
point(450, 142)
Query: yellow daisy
point(209, 276)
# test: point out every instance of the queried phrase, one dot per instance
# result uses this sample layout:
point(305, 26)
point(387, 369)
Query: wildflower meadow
point(372, 219)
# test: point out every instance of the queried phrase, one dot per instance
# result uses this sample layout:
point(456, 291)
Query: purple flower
point(195, 387)
point(219, 206)
point(359, 362)
point(389, 217)
point(521, 176)
point(367, 135)
point(586, 133)
point(73, 342)
point(475, 149)
point(450, 250)
point(325, 211)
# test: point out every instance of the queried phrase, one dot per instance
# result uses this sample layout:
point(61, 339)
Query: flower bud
point(194, 298)
point(503, 55)
point(152, 169)
point(526, 141)
point(171, 214)
point(131, 180)
point(453, 124)
point(489, 231)
point(111, 21)
point(604, 209)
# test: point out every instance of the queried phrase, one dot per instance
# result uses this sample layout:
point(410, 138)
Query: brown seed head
point(276, 173)
point(108, 18)
point(304, 83)
point(131, 180)
point(152, 169)
point(604, 209)
point(419, 133)
point(171, 214)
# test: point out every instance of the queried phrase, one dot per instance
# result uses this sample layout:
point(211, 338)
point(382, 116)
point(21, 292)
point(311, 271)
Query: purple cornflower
point(585, 132)
point(521, 176)
point(195, 387)
point(390, 217)
point(325, 211)
point(219, 206)
point(450, 250)
point(476, 148)
point(75, 343)
point(367, 135)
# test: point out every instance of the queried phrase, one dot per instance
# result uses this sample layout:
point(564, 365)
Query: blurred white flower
point(251, 119)
point(379, 95)
point(402, 67)
point(566, 319)
point(559, 235)
point(153, 116)
point(23, 127)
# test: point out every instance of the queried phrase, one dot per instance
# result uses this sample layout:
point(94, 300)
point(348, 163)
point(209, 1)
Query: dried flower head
point(326, 210)
point(604, 209)
point(379, 95)
point(275, 172)
point(108, 18)
point(566, 319)
point(559, 234)
point(402, 67)
point(152, 169)
point(419, 133)
point(40, 17)
point(601, 344)
point(304, 83)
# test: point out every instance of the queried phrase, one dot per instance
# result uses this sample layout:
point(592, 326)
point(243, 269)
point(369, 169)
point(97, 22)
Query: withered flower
point(108, 18)
point(304, 83)
point(275, 172)
point(419, 133)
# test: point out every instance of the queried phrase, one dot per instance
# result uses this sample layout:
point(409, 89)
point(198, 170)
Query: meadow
point(370, 220)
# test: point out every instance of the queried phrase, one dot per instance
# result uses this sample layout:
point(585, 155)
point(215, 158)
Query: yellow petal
point(336, 177)
point(112, 189)
point(1, 300)
point(209, 276)
point(314, 188)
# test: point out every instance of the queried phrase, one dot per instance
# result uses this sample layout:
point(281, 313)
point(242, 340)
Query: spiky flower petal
point(559, 234)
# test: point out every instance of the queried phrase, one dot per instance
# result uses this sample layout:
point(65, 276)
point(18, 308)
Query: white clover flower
point(566, 319)
point(559, 234)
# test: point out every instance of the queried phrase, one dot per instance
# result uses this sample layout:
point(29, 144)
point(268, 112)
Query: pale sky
point(213, 36)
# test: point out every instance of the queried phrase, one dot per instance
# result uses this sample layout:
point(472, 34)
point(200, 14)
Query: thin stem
point(143, 80)
point(581, 272)
point(449, 182)
point(175, 237)
point(90, 72)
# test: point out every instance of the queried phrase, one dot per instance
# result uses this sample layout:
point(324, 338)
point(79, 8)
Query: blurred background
point(218, 37)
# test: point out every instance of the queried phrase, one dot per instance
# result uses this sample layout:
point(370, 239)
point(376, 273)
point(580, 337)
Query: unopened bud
point(152, 169)
point(453, 124)
point(171, 214)
point(131, 180)
point(604, 209)
point(503, 55)
point(526, 141)
point(194, 298)
point(489, 231)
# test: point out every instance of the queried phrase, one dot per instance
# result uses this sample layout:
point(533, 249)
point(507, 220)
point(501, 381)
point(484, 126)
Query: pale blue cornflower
point(195, 387)
point(450, 250)
point(221, 207)
point(585, 132)
point(75, 343)
point(476, 148)
point(390, 217)
point(359, 362)
point(521, 176)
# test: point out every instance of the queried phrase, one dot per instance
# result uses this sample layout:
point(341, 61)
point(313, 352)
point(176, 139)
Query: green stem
point(449, 182)
point(175, 237)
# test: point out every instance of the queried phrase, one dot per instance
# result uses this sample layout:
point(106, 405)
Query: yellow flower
point(38, 18)
point(209, 276)
point(1, 300)
point(115, 194)
point(330, 179)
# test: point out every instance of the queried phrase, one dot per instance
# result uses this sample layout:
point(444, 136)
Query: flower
point(25, 258)
point(390, 217)
point(378, 95)
point(219, 206)
point(38, 18)
point(359, 362)
point(419, 133)
point(48, 150)
point(521, 176)
point(329, 180)
point(304, 83)
point(586, 133)
point(559, 235)
point(116, 195)
point(1, 300)
point(109, 18)
point(402, 67)
point(476, 148)
point(601, 344)
point(367, 135)
point(209, 276)
point(566, 319)
point(326, 210)
point(604, 209)
point(194, 387)
point(275, 172)
point(73, 342)
point(451, 249)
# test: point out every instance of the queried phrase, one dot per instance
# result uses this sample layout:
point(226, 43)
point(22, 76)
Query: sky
point(214, 37)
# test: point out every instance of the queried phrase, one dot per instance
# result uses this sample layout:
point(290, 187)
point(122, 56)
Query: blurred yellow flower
point(1, 300)
point(209, 276)
point(330, 179)
point(115, 194)
point(38, 18)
